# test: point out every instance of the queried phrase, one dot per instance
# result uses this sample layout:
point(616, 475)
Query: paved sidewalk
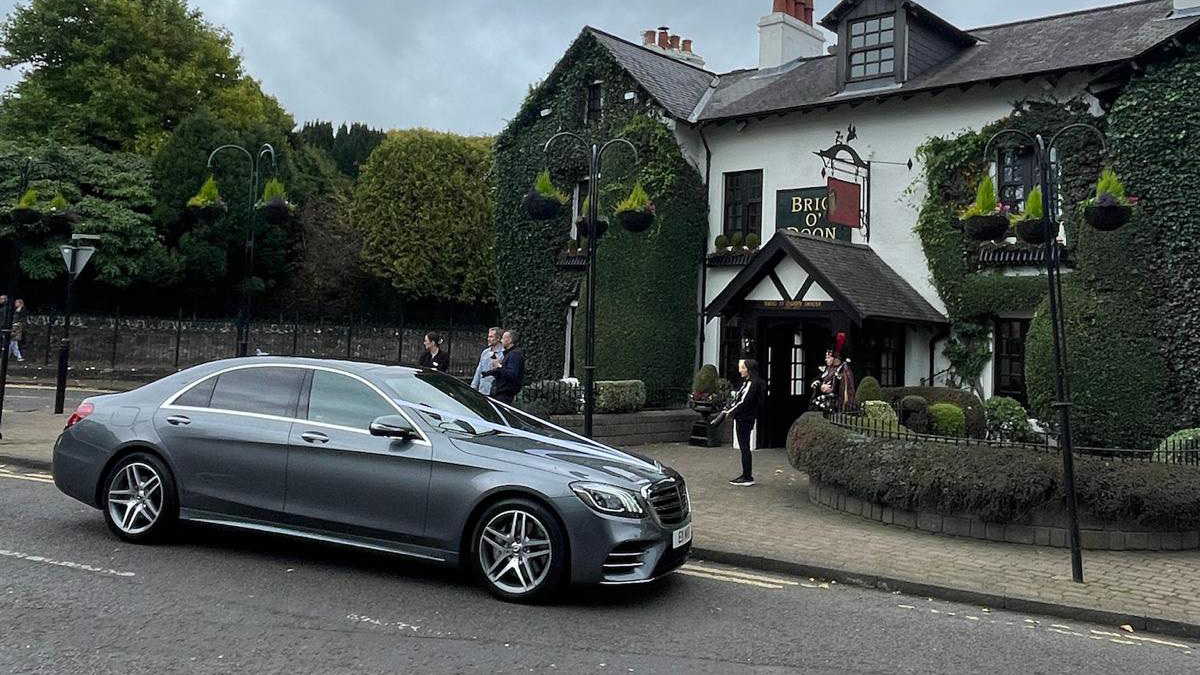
point(774, 525)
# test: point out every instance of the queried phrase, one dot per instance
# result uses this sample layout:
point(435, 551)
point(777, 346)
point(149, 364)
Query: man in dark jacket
point(510, 374)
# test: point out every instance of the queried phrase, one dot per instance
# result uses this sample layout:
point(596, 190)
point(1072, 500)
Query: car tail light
point(80, 414)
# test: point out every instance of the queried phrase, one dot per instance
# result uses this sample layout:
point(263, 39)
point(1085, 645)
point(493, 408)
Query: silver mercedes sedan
point(401, 460)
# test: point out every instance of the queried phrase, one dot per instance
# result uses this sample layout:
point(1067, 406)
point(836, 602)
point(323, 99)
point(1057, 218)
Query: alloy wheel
point(515, 552)
point(135, 498)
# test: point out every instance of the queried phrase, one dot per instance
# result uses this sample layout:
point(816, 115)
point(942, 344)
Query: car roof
point(357, 367)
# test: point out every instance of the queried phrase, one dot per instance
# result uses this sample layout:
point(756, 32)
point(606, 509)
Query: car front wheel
point(520, 551)
point(140, 502)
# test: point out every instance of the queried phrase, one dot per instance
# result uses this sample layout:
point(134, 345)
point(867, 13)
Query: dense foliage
point(349, 146)
point(996, 484)
point(424, 208)
point(644, 270)
point(969, 403)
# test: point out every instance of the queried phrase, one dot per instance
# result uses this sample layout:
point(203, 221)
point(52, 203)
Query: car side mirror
point(393, 426)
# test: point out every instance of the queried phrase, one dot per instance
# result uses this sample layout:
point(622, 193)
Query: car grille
point(669, 500)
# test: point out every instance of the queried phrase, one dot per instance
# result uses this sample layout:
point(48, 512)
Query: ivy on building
point(647, 286)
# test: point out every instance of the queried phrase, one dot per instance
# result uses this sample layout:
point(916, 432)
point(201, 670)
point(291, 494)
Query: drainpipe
point(703, 321)
point(941, 334)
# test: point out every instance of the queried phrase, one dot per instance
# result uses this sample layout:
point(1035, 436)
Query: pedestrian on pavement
point(744, 410)
point(488, 359)
point(434, 357)
point(18, 330)
point(510, 369)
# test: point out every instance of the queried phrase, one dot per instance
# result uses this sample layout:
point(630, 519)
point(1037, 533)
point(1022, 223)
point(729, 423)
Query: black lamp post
point(27, 170)
point(1062, 385)
point(595, 160)
point(76, 258)
point(243, 340)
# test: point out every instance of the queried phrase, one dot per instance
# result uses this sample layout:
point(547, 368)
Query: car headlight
point(609, 499)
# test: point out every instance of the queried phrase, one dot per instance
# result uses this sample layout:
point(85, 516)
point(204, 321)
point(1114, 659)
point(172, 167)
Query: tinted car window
point(199, 395)
point(344, 401)
point(451, 395)
point(266, 391)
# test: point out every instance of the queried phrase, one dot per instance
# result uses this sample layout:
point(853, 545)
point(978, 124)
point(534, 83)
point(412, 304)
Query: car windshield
point(443, 392)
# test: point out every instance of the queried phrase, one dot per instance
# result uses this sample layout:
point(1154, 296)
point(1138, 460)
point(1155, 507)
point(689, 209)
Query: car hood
point(576, 460)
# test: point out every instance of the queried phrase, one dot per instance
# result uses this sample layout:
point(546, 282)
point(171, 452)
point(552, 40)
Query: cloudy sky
point(465, 65)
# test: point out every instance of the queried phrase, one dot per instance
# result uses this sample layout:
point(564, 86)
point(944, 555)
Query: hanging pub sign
point(806, 210)
point(844, 200)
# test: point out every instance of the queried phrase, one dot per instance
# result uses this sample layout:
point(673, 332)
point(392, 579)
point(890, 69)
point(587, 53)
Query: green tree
point(111, 193)
point(121, 74)
point(349, 147)
point(423, 204)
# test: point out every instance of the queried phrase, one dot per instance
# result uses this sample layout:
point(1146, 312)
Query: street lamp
point(1062, 387)
point(243, 343)
point(595, 163)
point(27, 169)
point(76, 258)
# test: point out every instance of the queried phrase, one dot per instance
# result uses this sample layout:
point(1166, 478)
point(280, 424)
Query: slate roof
point(858, 280)
point(1093, 38)
point(676, 85)
point(1086, 39)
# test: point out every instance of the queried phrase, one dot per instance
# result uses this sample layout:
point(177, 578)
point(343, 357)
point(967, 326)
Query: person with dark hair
point(744, 409)
point(835, 388)
point(18, 330)
point(434, 357)
point(510, 369)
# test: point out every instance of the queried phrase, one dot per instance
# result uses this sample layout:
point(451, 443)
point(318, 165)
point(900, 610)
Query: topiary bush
point(1006, 419)
point(622, 396)
point(995, 484)
point(947, 419)
point(970, 404)
point(879, 410)
point(868, 390)
point(914, 413)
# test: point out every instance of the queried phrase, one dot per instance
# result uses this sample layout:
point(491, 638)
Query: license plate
point(681, 537)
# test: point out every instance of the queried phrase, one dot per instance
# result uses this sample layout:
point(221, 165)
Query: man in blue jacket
point(510, 373)
point(488, 359)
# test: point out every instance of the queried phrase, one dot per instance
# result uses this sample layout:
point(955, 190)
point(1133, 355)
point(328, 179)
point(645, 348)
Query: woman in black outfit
point(434, 357)
point(744, 410)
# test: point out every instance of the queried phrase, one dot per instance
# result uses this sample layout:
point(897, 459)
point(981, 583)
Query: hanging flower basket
point(636, 221)
point(601, 227)
point(62, 220)
point(1034, 231)
point(541, 207)
point(26, 215)
point(986, 228)
point(276, 211)
point(208, 212)
point(1108, 218)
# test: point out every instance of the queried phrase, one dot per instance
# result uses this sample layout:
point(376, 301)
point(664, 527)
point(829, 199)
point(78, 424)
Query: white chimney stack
point(1186, 7)
point(788, 34)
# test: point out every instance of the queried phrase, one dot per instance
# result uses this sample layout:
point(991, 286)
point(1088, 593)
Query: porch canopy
point(800, 272)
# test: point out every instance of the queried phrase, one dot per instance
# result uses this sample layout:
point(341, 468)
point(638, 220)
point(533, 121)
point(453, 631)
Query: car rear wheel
point(140, 502)
point(519, 551)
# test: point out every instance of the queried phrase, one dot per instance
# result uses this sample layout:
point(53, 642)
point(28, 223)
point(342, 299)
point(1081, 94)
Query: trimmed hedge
point(995, 484)
point(948, 420)
point(623, 396)
point(879, 410)
point(868, 390)
point(914, 413)
point(1007, 420)
point(972, 407)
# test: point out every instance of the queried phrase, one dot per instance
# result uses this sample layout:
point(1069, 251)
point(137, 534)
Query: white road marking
point(1139, 638)
point(36, 478)
point(64, 563)
point(740, 575)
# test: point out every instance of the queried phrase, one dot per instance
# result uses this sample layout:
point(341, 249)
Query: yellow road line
point(1126, 636)
point(714, 577)
point(5, 473)
point(740, 575)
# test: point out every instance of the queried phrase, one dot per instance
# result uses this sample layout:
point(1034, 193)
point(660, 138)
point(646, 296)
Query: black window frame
point(743, 203)
point(737, 343)
point(260, 373)
point(1008, 371)
point(593, 103)
point(869, 50)
point(1026, 175)
point(886, 347)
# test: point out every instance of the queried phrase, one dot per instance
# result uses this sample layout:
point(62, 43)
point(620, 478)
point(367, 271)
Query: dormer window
point(872, 50)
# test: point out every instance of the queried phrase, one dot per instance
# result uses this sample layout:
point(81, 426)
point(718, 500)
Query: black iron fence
point(131, 345)
point(565, 397)
point(1170, 451)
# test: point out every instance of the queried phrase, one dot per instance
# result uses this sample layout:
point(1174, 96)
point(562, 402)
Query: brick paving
point(775, 520)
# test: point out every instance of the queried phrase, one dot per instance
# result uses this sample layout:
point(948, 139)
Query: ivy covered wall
point(647, 298)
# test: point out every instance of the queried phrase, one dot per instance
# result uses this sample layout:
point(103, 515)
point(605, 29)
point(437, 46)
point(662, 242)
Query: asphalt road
point(29, 398)
point(74, 599)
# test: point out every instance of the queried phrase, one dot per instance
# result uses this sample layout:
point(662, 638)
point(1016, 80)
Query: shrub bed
point(621, 396)
point(995, 484)
point(971, 406)
point(948, 419)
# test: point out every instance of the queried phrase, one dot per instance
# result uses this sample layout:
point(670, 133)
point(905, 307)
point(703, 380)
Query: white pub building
point(814, 151)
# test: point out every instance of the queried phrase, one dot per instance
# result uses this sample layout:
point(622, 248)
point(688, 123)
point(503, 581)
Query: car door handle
point(178, 420)
point(314, 437)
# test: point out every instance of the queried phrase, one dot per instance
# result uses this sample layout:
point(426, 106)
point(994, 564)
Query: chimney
point(675, 42)
point(687, 46)
point(675, 46)
point(787, 34)
point(1186, 8)
point(664, 38)
point(649, 37)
